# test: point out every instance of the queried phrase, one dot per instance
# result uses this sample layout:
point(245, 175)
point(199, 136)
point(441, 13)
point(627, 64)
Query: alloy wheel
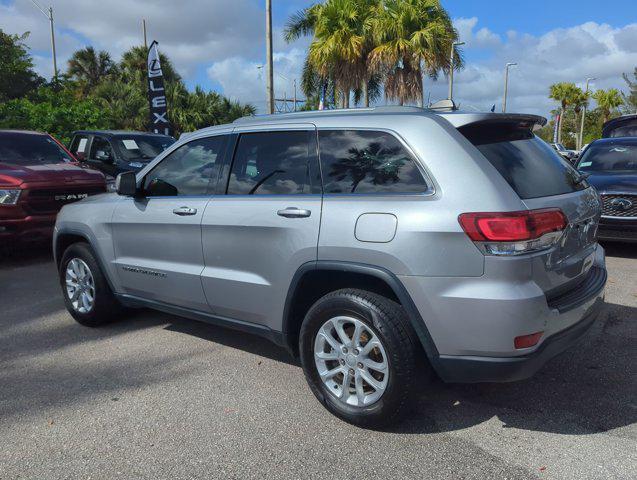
point(80, 286)
point(351, 361)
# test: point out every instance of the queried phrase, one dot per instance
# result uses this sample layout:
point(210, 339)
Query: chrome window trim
point(266, 128)
point(609, 217)
point(605, 192)
point(420, 164)
point(178, 144)
point(141, 175)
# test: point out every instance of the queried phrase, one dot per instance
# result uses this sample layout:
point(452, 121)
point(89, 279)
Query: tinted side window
point(188, 170)
point(360, 161)
point(78, 146)
point(101, 149)
point(273, 163)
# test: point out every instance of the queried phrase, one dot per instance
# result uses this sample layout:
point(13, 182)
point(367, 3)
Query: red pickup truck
point(37, 177)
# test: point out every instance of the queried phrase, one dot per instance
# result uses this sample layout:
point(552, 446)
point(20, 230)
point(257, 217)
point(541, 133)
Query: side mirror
point(126, 184)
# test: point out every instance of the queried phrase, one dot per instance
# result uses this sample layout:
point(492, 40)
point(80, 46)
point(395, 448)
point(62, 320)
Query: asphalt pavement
point(155, 396)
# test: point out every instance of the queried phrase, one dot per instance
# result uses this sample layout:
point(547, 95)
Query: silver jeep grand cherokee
point(380, 245)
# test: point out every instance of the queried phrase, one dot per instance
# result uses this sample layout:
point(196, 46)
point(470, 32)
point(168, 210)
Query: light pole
point(268, 54)
point(451, 63)
point(49, 14)
point(259, 67)
point(581, 128)
point(144, 33)
point(506, 85)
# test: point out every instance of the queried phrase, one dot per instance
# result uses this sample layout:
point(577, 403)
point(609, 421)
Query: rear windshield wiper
point(580, 177)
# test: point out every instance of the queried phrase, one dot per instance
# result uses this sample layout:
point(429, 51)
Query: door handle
point(293, 212)
point(184, 211)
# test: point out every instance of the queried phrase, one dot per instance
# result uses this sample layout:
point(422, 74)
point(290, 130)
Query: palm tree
point(193, 110)
point(134, 67)
point(630, 99)
point(566, 93)
point(125, 106)
point(339, 45)
point(337, 57)
point(89, 67)
point(413, 38)
point(608, 101)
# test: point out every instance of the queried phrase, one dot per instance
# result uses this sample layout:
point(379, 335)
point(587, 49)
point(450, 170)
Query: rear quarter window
point(529, 165)
point(362, 161)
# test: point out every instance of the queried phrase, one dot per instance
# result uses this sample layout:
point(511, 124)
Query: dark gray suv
point(379, 245)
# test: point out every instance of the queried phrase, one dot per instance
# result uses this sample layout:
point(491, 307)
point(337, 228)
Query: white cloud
point(224, 38)
point(192, 32)
point(483, 38)
point(565, 54)
point(245, 80)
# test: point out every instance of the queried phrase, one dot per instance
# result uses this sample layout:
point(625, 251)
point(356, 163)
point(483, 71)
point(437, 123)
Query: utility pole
point(55, 61)
point(452, 61)
point(581, 128)
point(268, 53)
point(49, 15)
point(144, 30)
point(506, 85)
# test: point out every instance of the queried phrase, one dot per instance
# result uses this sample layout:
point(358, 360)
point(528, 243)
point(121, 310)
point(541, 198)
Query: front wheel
point(87, 296)
point(359, 353)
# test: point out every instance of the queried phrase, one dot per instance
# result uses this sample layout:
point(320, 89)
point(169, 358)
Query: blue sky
point(219, 43)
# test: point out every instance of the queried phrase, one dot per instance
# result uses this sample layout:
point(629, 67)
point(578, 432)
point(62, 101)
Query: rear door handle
point(293, 212)
point(185, 211)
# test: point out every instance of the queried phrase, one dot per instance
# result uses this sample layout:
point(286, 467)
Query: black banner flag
point(159, 122)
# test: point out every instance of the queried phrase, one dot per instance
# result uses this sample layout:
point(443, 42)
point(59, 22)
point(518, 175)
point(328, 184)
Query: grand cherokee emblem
point(621, 204)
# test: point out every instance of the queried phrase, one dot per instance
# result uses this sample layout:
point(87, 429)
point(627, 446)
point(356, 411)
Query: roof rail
point(336, 111)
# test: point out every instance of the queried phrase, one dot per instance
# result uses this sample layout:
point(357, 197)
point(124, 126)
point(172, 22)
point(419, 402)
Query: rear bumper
point(473, 321)
point(470, 369)
point(618, 230)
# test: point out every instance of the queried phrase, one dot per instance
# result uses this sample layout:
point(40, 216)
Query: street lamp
point(506, 85)
point(581, 128)
point(451, 63)
point(49, 14)
point(268, 54)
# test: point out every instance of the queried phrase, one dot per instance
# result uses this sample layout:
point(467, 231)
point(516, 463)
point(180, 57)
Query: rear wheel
point(87, 296)
point(359, 356)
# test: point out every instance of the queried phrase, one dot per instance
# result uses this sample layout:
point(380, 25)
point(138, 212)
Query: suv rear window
point(362, 161)
point(527, 163)
point(28, 149)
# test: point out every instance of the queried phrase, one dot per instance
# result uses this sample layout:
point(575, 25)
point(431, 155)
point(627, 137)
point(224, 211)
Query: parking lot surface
point(160, 397)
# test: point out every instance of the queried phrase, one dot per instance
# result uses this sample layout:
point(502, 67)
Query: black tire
point(105, 308)
point(388, 321)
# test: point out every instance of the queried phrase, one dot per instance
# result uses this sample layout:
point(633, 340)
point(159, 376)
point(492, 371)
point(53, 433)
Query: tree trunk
point(421, 101)
point(559, 126)
point(346, 103)
point(365, 93)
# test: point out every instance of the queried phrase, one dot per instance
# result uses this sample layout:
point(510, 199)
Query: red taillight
point(511, 226)
point(526, 341)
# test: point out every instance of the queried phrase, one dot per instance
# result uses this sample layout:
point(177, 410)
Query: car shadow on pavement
point(25, 254)
point(588, 389)
point(234, 339)
point(622, 250)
